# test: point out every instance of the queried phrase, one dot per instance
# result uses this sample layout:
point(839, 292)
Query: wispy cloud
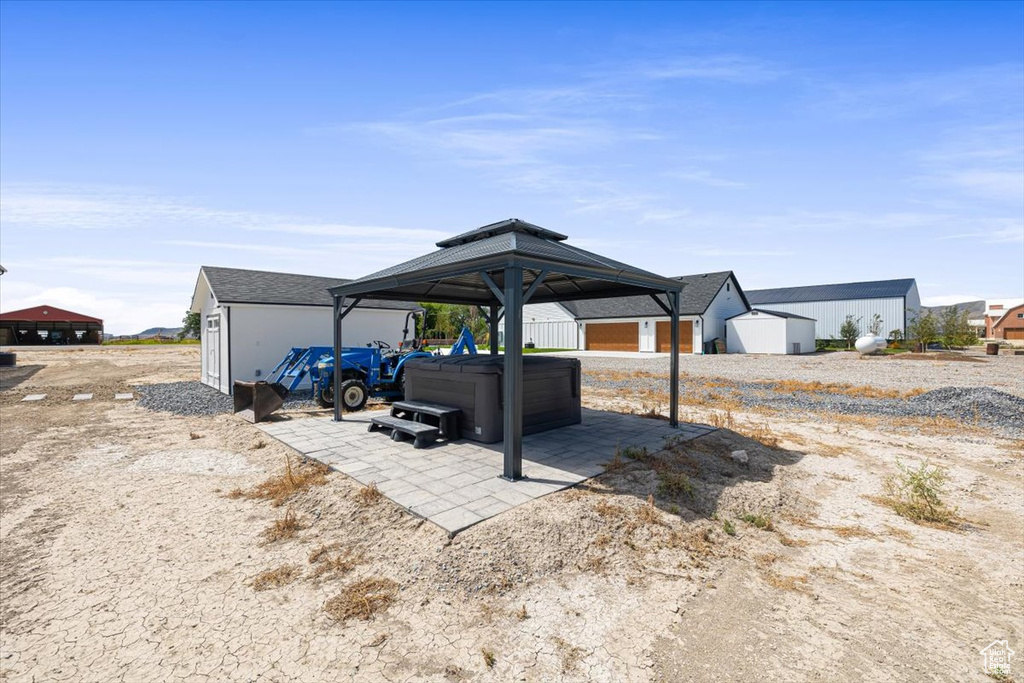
point(983, 161)
point(993, 89)
point(705, 177)
point(1001, 236)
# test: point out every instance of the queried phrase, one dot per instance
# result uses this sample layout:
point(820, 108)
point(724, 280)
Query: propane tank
point(869, 343)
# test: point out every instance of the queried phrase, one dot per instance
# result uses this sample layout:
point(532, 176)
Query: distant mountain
point(975, 309)
point(162, 331)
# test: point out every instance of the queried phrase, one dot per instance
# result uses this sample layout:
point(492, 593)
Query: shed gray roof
point(778, 314)
point(878, 289)
point(698, 294)
point(240, 286)
point(453, 272)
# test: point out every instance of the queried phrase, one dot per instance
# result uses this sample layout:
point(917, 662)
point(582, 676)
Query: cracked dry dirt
point(125, 558)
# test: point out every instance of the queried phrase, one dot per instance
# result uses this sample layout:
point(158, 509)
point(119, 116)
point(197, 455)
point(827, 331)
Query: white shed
point(249, 319)
point(761, 331)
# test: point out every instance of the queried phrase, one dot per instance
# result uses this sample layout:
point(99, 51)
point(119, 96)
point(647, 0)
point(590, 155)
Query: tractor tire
point(324, 399)
point(353, 395)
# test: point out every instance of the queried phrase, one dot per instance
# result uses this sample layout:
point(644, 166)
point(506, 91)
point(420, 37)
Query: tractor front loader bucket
point(255, 401)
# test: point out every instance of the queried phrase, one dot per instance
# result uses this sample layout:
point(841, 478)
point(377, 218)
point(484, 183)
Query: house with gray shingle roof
point(250, 319)
point(637, 323)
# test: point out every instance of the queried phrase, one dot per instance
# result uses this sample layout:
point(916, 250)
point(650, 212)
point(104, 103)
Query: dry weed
point(606, 508)
point(283, 528)
point(783, 582)
point(761, 433)
point(334, 564)
point(791, 542)
point(901, 534)
point(648, 513)
point(791, 386)
point(369, 495)
point(766, 560)
point(521, 614)
point(489, 657)
point(852, 532)
point(362, 599)
point(294, 479)
point(674, 484)
point(571, 655)
point(616, 464)
point(275, 578)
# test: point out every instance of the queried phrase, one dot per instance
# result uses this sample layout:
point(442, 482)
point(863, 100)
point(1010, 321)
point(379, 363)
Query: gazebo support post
point(493, 320)
point(339, 307)
point(673, 298)
point(513, 375)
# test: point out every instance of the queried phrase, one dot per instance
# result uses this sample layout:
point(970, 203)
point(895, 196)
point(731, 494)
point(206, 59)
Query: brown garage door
point(613, 337)
point(664, 336)
point(1013, 333)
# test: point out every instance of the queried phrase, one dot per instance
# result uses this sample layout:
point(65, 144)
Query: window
point(213, 322)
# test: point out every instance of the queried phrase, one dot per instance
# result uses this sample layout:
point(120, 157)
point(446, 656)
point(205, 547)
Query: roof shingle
point(697, 295)
point(240, 286)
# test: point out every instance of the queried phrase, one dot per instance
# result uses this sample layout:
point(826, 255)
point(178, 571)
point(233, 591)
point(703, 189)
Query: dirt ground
point(130, 552)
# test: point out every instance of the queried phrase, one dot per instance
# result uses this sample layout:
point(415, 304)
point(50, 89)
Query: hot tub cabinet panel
point(473, 384)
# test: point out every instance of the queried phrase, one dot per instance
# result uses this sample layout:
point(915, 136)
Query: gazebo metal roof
point(500, 267)
point(452, 274)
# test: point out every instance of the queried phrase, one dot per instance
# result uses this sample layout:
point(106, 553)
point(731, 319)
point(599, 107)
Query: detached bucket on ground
point(255, 401)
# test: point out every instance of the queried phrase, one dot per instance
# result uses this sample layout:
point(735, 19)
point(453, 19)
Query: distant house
point(895, 301)
point(1008, 326)
point(249, 319)
point(637, 323)
point(1001, 314)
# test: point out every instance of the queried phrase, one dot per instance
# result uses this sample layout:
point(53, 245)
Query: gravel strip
point(995, 410)
point(196, 398)
point(1005, 373)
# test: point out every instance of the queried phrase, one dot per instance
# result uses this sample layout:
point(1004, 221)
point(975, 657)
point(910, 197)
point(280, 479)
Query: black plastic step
point(421, 433)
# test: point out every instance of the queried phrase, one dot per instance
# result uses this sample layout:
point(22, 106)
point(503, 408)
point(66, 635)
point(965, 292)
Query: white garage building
point(637, 323)
point(761, 331)
point(896, 301)
point(250, 319)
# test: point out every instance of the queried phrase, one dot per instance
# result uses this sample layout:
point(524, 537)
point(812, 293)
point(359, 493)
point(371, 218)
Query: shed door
point(1013, 333)
point(613, 337)
point(211, 347)
point(663, 334)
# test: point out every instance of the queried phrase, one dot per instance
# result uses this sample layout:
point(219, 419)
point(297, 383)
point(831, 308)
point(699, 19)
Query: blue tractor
point(376, 370)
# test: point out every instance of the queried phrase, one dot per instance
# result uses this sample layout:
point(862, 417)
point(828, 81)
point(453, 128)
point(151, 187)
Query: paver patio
point(455, 485)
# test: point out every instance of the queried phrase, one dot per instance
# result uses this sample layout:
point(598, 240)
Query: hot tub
point(473, 384)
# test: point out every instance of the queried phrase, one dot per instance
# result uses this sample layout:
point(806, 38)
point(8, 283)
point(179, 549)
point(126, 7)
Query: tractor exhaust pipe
point(255, 401)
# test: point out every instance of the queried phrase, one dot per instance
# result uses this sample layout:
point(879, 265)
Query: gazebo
point(499, 268)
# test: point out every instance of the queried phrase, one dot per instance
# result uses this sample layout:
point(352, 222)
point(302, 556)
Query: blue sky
point(793, 143)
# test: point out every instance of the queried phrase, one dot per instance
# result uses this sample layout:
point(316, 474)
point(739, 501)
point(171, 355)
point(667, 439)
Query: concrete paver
point(34, 397)
point(458, 484)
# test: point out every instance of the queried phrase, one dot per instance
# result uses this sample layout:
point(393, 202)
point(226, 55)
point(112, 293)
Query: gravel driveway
point(1005, 373)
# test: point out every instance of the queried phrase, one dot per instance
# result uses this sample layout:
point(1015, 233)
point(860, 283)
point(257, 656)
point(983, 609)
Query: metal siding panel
point(726, 304)
point(830, 315)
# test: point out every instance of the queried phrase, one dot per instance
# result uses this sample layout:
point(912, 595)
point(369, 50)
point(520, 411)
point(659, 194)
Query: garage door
point(613, 337)
point(1013, 333)
point(664, 336)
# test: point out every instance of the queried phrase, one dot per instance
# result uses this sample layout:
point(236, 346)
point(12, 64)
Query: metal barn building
point(896, 301)
point(249, 320)
point(49, 325)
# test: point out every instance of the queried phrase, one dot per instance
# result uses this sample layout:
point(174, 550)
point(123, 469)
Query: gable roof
point(453, 273)
point(777, 314)
point(240, 286)
point(877, 289)
point(48, 314)
point(699, 292)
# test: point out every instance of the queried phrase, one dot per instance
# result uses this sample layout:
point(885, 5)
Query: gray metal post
point(339, 306)
point(513, 376)
point(494, 329)
point(673, 300)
